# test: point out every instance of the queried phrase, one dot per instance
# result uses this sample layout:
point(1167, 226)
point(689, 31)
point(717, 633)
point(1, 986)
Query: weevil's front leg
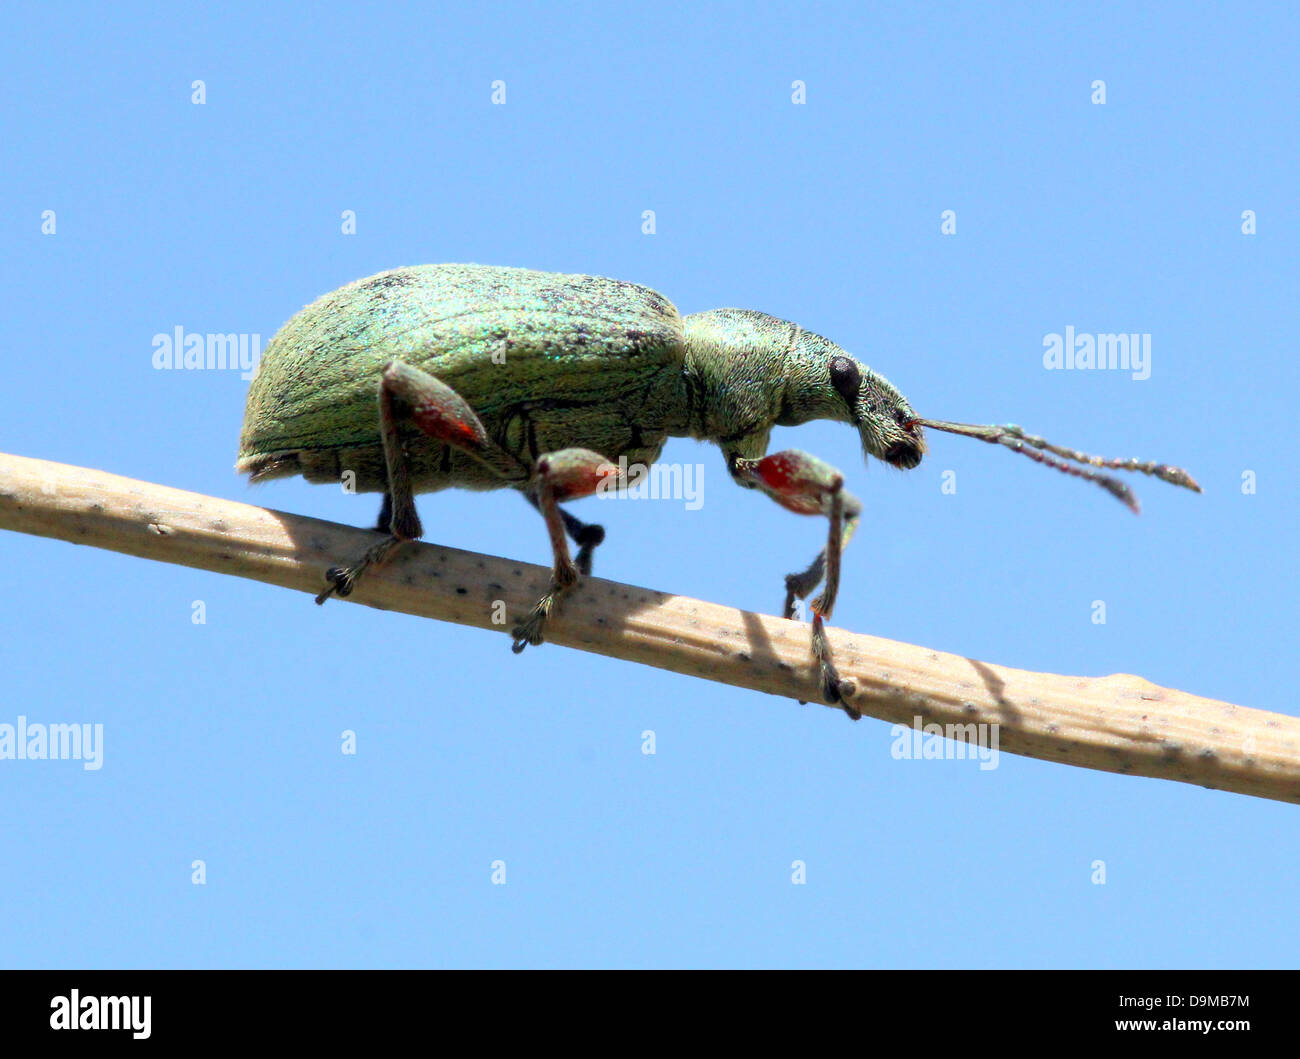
point(586, 535)
point(804, 484)
point(408, 394)
point(558, 476)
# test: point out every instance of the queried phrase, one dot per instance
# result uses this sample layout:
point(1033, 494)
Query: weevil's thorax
point(748, 372)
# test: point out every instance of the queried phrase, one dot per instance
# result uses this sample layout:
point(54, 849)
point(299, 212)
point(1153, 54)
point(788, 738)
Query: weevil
point(480, 377)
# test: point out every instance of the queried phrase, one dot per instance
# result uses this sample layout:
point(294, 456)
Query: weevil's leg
point(587, 536)
point(342, 578)
point(797, 586)
point(557, 476)
point(385, 523)
point(804, 484)
point(407, 394)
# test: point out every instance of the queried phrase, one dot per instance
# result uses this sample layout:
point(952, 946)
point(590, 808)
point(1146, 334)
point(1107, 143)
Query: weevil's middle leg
point(407, 393)
point(564, 475)
point(807, 486)
point(385, 522)
point(586, 535)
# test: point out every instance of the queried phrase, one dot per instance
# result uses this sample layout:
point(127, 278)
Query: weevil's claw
point(340, 579)
point(529, 631)
point(837, 691)
point(844, 690)
point(343, 579)
point(526, 635)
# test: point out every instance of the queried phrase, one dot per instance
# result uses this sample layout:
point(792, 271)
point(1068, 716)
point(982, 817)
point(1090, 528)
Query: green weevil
point(480, 377)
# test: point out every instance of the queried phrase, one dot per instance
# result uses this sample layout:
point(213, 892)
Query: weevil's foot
point(835, 690)
point(342, 579)
point(530, 631)
point(830, 684)
point(838, 691)
point(563, 578)
point(527, 635)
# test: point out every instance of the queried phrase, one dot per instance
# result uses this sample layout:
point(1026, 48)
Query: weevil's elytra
point(480, 377)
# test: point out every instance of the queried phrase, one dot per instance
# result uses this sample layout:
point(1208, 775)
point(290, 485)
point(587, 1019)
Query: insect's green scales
point(479, 377)
point(548, 361)
point(544, 359)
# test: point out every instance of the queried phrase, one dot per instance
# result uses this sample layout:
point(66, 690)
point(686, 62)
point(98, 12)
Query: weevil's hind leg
point(564, 475)
point(407, 394)
point(342, 578)
point(586, 535)
point(807, 486)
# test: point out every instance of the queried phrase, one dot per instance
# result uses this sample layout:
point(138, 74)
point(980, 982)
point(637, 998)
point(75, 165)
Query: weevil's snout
point(906, 444)
point(895, 439)
point(906, 452)
point(894, 435)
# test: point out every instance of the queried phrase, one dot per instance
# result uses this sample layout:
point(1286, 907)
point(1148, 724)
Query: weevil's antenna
point(1037, 449)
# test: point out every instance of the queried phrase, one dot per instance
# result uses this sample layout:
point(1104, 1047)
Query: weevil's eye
point(846, 378)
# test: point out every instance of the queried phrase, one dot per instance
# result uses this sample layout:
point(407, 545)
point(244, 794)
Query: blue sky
point(222, 739)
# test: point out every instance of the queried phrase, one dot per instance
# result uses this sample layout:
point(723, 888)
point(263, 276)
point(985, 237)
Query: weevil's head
point(739, 360)
point(886, 423)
